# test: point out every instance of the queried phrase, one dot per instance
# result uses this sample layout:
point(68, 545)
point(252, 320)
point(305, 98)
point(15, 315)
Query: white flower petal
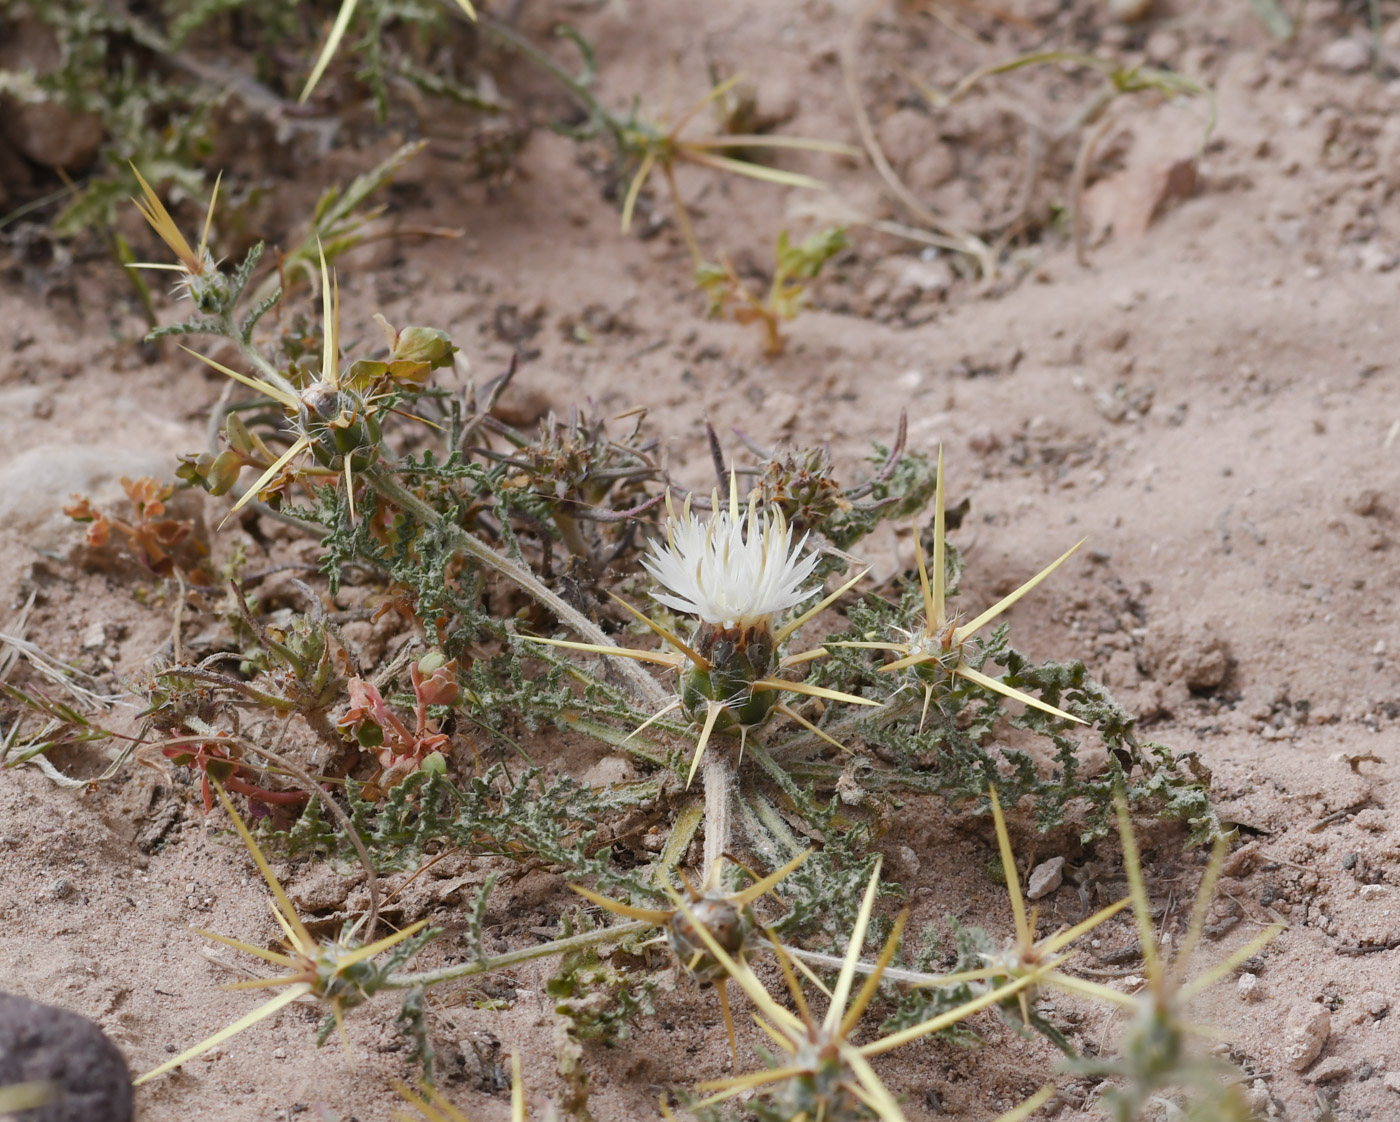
point(725, 576)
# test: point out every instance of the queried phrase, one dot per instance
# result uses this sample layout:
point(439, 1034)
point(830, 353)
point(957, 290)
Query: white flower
point(731, 571)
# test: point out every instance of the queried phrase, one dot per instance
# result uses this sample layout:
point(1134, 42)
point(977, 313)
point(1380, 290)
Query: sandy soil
point(1212, 401)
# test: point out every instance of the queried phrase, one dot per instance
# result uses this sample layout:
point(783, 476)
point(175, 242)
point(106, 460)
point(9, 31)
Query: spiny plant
point(453, 538)
point(935, 652)
point(820, 1072)
point(1154, 1055)
point(1024, 954)
point(341, 974)
point(726, 915)
point(645, 144)
point(735, 573)
point(941, 707)
point(794, 268)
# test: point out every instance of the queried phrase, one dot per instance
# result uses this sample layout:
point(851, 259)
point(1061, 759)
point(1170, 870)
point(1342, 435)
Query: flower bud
point(438, 686)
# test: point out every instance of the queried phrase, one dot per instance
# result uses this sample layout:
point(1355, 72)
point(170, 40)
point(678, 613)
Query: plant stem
point(553, 69)
point(719, 808)
point(836, 962)
point(266, 371)
point(510, 958)
point(642, 685)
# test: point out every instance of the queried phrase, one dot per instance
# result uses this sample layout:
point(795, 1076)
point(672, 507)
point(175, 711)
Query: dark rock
point(39, 1043)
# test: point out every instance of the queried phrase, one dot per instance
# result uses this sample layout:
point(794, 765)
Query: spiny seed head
point(730, 570)
point(726, 923)
point(322, 400)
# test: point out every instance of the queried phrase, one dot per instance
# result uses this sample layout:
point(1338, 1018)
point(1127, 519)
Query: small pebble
point(1129, 11)
point(1046, 877)
point(1329, 1070)
point(1305, 1032)
point(1350, 56)
point(1248, 987)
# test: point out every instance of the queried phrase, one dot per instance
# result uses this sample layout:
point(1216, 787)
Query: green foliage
point(526, 821)
point(972, 944)
point(598, 1000)
point(137, 79)
point(954, 742)
point(794, 268)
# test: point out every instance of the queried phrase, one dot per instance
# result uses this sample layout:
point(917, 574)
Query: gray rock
point(1304, 1033)
point(42, 1044)
point(1046, 877)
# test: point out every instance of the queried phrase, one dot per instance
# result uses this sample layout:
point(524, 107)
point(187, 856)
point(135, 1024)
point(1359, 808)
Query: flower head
point(733, 570)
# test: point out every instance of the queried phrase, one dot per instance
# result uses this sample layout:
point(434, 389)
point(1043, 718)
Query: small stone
point(39, 1043)
point(1046, 877)
point(926, 276)
point(1129, 11)
point(1350, 56)
point(1376, 1004)
point(1248, 987)
point(95, 635)
point(610, 771)
point(1374, 891)
point(1376, 258)
point(984, 441)
point(1163, 47)
point(1305, 1032)
point(1329, 1070)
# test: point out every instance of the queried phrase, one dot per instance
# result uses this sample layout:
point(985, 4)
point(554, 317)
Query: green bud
point(424, 344)
point(222, 472)
point(236, 433)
